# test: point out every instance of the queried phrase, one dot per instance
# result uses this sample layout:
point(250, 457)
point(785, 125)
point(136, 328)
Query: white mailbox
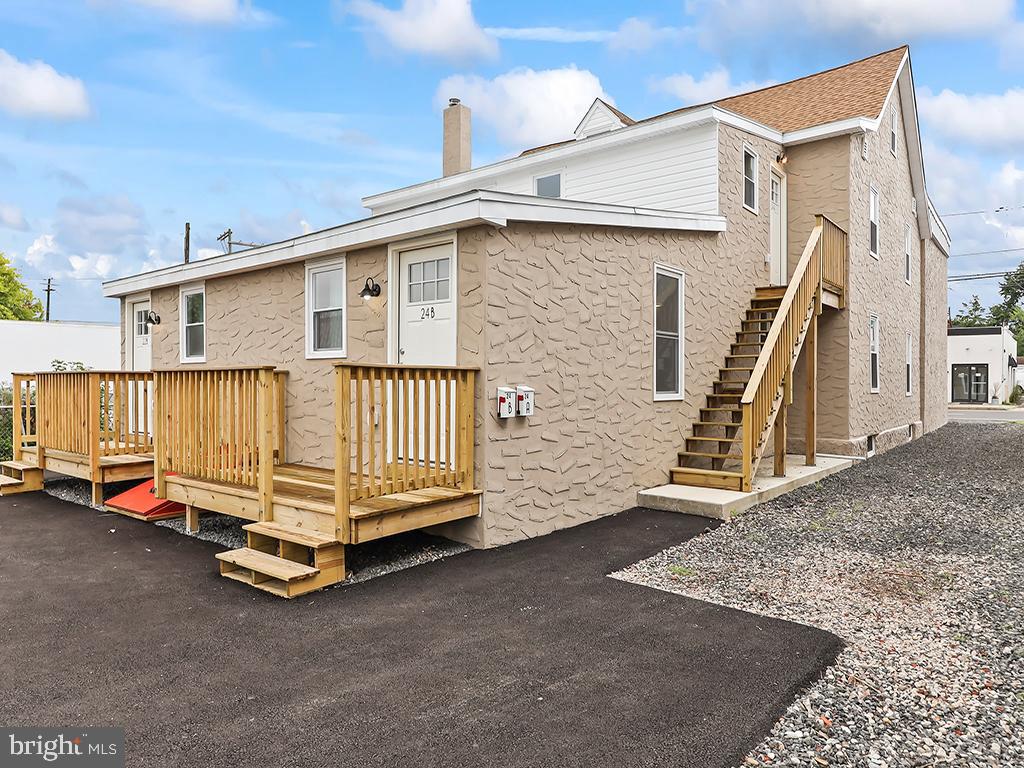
point(506, 402)
point(524, 401)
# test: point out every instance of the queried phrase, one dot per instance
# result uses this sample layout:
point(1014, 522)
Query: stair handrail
point(775, 358)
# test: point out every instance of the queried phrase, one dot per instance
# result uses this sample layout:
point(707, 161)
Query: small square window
point(549, 186)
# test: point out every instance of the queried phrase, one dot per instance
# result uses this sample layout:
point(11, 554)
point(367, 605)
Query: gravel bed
point(79, 491)
point(916, 559)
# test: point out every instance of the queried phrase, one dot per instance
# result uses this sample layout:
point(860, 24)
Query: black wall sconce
point(370, 290)
point(152, 318)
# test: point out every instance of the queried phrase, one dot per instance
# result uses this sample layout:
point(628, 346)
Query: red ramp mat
point(141, 502)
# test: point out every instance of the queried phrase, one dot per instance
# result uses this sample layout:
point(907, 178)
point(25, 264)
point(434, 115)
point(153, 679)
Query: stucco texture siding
point(569, 312)
point(877, 285)
point(258, 318)
point(935, 349)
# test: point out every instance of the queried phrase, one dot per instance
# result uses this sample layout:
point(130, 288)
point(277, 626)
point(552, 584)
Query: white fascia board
point(479, 177)
point(938, 230)
point(459, 211)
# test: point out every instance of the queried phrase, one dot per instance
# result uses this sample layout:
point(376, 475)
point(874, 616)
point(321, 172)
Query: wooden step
point(725, 395)
point(7, 480)
point(19, 466)
point(269, 565)
point(307, 537)
point(770, 292)
point(741, 356)
point(733, 424)
point(732, 368)
point(707, 478)
point(706, 455)
point(720, 409)
point(712, 439)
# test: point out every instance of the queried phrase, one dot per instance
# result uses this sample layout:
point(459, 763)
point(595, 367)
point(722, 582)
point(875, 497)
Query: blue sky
point(122, 119)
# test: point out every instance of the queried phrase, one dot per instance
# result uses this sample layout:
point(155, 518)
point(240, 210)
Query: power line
point(985, 253)
point(1000, 209)
point(976, 276)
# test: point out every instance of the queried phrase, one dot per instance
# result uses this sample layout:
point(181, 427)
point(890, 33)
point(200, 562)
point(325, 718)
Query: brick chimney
point(456, 148)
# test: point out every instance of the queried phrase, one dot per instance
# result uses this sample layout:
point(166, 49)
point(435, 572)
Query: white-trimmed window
point(326, 310)
point(668, 332)
point(548, 186)
point(192, 330)
point(908, 247)
point(874, 339)
point(873, 220)
point(910, 365)
point(750, 179)
point(893, 124)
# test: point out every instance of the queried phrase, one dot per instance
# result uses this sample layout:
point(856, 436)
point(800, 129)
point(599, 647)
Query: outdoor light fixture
point(152, 318)
point(782, 158)
point(370, 290)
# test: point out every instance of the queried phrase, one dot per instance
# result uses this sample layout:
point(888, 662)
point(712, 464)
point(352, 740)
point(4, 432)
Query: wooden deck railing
point(24, 413)
point(770, 382)
point(93, 413)
point(400, 428)
point(219, 424)
point(835, 261)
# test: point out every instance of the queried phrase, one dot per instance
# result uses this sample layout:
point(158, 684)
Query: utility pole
point(226, 237)
point(186, 241)
point(49, 289)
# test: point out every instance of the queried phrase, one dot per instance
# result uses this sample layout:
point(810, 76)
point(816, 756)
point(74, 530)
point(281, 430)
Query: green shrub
point(1017, 396)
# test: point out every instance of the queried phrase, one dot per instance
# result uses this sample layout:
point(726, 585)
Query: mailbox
point(506, 402)
point(524, 401)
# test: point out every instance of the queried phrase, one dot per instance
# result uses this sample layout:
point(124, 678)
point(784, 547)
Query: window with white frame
point(910, 365)
point(873, 218)
point(326, 311)
point(668, 333)
point(908, 246)
point(893, 123)
point(874, 337)
point(749, 179)
point(548, 186)
point(193, 324)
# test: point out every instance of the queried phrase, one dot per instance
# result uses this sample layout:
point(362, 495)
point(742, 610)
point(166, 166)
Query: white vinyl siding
point(908, 246)
point(874, 344)
point(192, 329)
point(669, 322)
point(750, 179)
point(873, 222)
point(675, 172)
point(326, 309)
point(910, 365)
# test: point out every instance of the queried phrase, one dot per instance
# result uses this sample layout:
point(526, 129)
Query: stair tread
point(712, 439)
point(728, 410)
point(7, 480)
point(21, 466)
point(305, 536)
point(711, 472)
point(269, 565)
point(736, 424)
point(707, 455)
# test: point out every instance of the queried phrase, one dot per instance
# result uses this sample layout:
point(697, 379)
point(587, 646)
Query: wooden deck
point(304, 498)
point(113, 469)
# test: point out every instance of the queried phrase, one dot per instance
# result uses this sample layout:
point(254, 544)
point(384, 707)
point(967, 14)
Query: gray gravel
point(916, 559)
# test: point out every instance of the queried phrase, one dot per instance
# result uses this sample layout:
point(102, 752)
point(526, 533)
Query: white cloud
point(443, 28)
point(632, 35)
point(207, 11)
point(35, 89)
point(12, 217)
point(524, 106)
point(887, 21)
point(991, 121)
point(91, 265)
point(711, 86)
point(42, 247)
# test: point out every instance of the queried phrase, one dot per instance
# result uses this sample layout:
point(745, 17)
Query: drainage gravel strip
point(916, 559)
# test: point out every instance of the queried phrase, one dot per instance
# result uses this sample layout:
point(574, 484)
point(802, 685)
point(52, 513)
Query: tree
point(972, 314)
point(17, 302)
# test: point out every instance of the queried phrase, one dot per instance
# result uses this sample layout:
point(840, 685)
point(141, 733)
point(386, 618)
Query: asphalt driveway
point(527, 655)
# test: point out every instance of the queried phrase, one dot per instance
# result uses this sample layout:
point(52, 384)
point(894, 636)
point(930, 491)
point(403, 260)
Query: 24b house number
point(426, 313)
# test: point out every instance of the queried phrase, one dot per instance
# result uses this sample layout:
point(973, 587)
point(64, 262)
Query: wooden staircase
point(713, 455)
point(748, 401)
point(285, 560)
point(19, 477)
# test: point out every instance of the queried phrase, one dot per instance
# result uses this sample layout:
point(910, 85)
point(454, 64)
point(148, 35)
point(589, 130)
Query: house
point(33, 346)
point(519, 347)
point(982, 364)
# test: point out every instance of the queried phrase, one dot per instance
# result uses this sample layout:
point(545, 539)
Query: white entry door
point(777, 233)
point(142, 352)
point(427, 306)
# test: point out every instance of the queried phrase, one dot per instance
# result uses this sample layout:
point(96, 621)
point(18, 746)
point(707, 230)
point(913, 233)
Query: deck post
point(342, 452)
point(94, 414)
point(16, 432)
point(159, 423)
point(811, 356)
point(748, 446)
point(265, 437)
point(280, 379)
point(191, 518)
point(468, 419)
point(780, 439)
point(41, 418)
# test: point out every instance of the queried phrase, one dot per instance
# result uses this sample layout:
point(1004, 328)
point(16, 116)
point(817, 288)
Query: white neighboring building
point(982, 364)
point(27, 347)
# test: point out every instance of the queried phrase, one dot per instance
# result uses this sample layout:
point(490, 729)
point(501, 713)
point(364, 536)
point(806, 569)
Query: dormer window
point(548, 186)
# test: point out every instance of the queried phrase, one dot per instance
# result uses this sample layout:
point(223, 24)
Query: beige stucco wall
point(934, 348)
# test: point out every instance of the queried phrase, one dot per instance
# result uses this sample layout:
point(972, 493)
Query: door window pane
point(430, 280)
